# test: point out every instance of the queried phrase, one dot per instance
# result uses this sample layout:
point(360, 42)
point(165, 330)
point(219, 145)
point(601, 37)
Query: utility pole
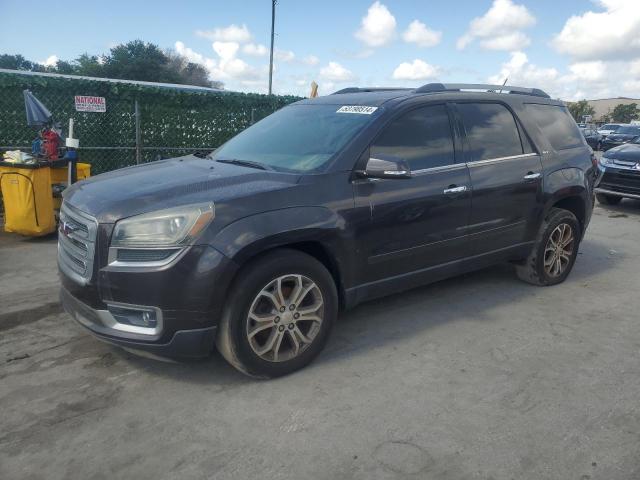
point(273, 23)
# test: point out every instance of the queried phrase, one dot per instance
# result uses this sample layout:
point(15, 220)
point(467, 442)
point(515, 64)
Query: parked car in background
point(324, 204)
point(624, 134)
point(593, 138)
point(620, 173)
point(608, 128)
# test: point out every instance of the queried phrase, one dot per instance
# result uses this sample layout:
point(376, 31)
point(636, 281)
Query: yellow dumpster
point(28, 202)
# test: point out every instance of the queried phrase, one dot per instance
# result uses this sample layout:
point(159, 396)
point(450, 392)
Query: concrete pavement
point(476, 377)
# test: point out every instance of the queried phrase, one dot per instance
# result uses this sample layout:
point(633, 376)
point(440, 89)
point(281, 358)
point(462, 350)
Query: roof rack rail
point(367, 89)
point(456, 87)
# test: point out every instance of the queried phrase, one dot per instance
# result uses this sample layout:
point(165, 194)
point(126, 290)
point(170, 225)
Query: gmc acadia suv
point(320, 206)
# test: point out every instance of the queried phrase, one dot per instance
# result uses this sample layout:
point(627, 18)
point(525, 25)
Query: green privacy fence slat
point(172, 122)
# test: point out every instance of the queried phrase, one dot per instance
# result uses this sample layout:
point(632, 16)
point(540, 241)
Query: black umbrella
point(37, 114)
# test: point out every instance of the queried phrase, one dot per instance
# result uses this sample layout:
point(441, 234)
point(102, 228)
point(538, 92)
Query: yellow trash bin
point(28, 202)
point(59, 175)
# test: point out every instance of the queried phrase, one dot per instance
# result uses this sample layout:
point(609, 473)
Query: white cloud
point(283, 55)
point(613, 33)
point(336, 72)
point(226, 50)
point(500, 27)
point(51, 61)
point(226, 67)
point(311, 60)
point(192, 56)
point(255, 49)
point(416, 70)
point(421, 35)
point(378, 26)
point(591, 79)
point(232, 33)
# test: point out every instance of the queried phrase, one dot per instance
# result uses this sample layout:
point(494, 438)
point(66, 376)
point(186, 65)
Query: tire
point(251, 292)
point(536, 269)
point(605, 199)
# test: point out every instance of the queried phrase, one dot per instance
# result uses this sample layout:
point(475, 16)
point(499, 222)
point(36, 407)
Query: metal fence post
point(138, 136)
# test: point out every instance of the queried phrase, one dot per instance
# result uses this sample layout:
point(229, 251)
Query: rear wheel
point(554, 251)
point(605, 199)
point(279, 315)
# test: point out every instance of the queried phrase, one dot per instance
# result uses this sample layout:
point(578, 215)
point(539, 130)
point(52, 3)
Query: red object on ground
point(50, 144)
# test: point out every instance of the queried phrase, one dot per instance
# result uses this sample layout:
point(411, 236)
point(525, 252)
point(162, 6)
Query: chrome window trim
point(442, 168)
point(489, 161)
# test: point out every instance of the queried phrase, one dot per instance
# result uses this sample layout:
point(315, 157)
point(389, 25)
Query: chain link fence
point(142, 123)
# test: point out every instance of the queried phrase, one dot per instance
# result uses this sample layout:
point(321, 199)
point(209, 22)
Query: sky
point(573, 49)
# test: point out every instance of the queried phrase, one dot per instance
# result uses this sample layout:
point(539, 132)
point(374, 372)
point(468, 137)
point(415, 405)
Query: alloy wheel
point(559, 249)
point(284, 318)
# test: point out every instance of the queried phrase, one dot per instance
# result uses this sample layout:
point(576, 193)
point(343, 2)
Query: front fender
point(249, 236)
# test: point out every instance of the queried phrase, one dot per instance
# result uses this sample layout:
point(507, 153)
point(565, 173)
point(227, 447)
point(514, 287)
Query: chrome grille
point(76, 243)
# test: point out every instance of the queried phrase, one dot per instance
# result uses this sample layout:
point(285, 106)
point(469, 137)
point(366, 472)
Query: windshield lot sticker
point(357, 109)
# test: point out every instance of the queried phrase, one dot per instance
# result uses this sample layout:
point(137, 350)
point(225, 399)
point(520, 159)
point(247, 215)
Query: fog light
point(135, 317)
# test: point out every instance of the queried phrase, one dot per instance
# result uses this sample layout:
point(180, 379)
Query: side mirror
point(387, 166)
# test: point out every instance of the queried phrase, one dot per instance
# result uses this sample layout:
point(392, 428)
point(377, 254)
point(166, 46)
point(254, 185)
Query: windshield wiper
point(244, 163)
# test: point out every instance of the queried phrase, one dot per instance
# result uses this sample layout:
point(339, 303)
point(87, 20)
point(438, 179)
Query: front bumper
point(193, 343)
point(621, 182)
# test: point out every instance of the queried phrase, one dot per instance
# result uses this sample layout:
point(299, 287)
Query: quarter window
point(422, 137)
point(557, 125)
point(491, 131)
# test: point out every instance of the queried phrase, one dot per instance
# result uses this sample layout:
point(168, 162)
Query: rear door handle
point(532, 176)
point(452, 190)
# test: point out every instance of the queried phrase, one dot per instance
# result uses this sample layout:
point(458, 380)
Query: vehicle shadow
point(472, 296)
point(627, 207)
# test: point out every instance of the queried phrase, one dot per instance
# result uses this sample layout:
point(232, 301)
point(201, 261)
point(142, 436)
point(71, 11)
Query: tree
point(89, 65)
point(625, 113)
point(15, 62)
point(138, 60)
point(135, 60)
point(579, 109)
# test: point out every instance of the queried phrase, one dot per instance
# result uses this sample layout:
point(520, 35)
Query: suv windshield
point(610, 127)
point(298, 138)
point(628, 131)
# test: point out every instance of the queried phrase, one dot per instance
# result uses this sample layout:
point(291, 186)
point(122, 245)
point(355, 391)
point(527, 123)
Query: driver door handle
point(532, 176)
point(452, 190)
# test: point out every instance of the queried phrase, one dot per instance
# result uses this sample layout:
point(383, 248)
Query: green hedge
point(170, 119)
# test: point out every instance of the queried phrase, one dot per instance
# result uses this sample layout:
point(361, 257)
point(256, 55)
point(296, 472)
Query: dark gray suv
point(322, 205)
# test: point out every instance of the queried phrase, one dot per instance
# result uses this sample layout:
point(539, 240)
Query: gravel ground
point(476, 377)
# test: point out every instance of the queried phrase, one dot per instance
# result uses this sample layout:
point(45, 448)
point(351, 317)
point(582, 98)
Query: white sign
point(361, 109)
point(90, 104)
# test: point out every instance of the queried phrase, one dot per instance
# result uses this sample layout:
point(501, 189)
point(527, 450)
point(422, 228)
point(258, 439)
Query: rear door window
point(422, 137)
point(491, 131)
point(557, 125)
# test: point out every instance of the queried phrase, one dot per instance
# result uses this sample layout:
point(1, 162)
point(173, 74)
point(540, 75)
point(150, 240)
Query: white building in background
point(605, 106)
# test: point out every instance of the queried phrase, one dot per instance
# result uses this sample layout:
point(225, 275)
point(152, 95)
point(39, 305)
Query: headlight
point(164, 228)
point(605, 160)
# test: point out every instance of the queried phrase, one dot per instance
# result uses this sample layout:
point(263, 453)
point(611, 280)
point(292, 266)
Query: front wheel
point(279, 315)
point(554, 251)
point(605, 199)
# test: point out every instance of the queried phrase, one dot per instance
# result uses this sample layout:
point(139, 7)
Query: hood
point(169, 183)
point(619, 137)
point(629, 152)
